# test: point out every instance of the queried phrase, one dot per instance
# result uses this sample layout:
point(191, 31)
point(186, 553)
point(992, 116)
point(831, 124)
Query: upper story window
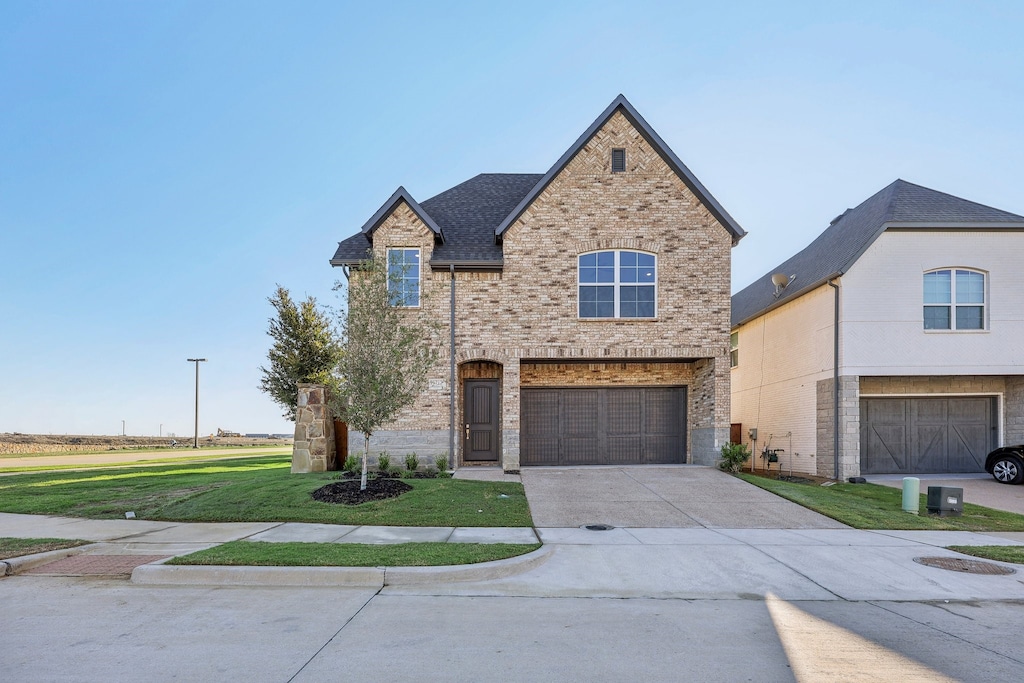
point(617, 284)
point(734, 349)
point(404, 276)
point(954, 299)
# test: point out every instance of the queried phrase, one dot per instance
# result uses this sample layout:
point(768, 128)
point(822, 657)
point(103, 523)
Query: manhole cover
point(597, 527)
point(957, 564)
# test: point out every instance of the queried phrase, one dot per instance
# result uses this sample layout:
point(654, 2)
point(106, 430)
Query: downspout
point(451, 379)
point(835, 379)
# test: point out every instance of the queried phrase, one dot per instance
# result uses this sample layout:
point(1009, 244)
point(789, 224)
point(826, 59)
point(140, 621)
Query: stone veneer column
point(849, 428)
point(1013, 411)
point(313, 449)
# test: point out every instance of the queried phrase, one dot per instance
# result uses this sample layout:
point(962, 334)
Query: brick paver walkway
point(95, 565)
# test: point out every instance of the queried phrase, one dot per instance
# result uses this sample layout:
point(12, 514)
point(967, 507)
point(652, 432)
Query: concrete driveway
point(979, 489)
point(679, 496)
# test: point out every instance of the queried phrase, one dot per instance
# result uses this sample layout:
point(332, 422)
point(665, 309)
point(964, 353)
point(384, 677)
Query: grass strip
point(133, 463)
point(260, 554)
point(16, 547)
point(870, 506)
point(142, 449)
point(258, 489)
point(1000, 553)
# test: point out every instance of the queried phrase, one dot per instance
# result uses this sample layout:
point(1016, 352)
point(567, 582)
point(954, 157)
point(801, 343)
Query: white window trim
point(952, 329)
point(617, 284)
point(419, 277)
point(734, 349)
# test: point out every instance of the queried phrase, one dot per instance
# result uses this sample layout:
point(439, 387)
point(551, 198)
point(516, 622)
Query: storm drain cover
point(957, 564)
point(598, 527)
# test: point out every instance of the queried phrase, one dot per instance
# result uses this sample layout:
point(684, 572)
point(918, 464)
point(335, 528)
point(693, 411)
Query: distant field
point(29, 444)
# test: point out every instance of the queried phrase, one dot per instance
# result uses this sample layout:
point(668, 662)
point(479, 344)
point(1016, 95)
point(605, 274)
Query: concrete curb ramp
point(164, 574)
point(16, 565)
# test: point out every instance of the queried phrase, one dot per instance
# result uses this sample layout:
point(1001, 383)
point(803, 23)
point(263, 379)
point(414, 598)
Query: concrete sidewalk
point(687, 563)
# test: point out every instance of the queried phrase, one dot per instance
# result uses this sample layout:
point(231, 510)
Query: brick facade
point(527, 312)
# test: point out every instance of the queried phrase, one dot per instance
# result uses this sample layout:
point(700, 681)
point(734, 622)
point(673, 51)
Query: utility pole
point(197, 361)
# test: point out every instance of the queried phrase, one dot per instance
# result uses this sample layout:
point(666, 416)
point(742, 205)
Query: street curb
point(364, 577)
point(16, 565)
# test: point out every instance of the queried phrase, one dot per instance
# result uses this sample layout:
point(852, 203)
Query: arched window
point(617, 284)
point(954, 299)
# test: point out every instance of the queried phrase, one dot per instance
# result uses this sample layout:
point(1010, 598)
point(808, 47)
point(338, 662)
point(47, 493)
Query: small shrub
point(384, 463)
point(353, 464)
point(411, 462)
point(441, 463)
point(733, 457)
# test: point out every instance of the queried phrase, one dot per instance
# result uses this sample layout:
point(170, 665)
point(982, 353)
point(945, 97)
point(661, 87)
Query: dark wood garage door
point(926, 435)
point(603, 426)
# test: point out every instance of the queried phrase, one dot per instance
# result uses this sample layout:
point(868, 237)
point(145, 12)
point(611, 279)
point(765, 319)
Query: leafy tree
point(305, 349)
point(388, 350)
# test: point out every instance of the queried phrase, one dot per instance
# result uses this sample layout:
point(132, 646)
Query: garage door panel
point(580, 451)
point(885, 411)
point(579, 412)
point(625, 450)
point(540, 414)
point(606, 425)
point(662, 412)
point(659, 449)
point(624, 412)
point(888, 445)
point(543, 451)
point(929, 448)
point(924, 434)
point(968, 448)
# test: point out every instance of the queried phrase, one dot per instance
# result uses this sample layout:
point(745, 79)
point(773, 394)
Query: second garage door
point(603, 426)
point(923, 435)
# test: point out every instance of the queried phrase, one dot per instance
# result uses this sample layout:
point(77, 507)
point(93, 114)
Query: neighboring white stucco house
point(928, 291)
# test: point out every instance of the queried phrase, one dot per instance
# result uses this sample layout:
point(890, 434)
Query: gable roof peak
point(400, 195)
point(900, 204)
point(659, 146)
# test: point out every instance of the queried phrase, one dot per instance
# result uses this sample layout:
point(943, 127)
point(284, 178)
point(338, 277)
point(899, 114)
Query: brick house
point(914, 300)
point(591, 308)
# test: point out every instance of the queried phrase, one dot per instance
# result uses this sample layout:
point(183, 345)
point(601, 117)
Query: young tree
point(305, 349)
point(387, 351)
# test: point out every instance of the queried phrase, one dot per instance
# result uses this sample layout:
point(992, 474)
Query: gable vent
point(618, 160)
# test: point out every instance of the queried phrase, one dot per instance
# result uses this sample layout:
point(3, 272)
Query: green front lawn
point(255, 490)
point(253, 553)
point(870, 506)
point(16, 547)
point(1001, 553)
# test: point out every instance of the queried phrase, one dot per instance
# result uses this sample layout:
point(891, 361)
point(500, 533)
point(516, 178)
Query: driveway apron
point(676, 496)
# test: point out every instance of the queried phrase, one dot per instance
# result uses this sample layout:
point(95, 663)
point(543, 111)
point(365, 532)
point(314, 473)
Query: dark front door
point(480, 420)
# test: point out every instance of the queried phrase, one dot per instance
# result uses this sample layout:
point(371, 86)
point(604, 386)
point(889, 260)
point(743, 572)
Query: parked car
point(1006, 464)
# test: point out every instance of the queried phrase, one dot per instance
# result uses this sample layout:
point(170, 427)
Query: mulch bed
point(347, 492)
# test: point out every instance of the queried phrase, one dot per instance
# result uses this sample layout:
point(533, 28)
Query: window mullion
point(616, 282)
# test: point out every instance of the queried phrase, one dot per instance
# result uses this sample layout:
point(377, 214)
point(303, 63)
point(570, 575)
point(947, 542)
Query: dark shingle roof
point(469, 219)
point(469, 212)
point(901, 204)
point(466, 215)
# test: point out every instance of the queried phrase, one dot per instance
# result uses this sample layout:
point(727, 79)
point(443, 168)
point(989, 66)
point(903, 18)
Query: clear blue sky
point(164, 164)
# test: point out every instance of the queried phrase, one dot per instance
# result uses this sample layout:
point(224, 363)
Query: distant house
point(928, 293)
point(591, 306)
